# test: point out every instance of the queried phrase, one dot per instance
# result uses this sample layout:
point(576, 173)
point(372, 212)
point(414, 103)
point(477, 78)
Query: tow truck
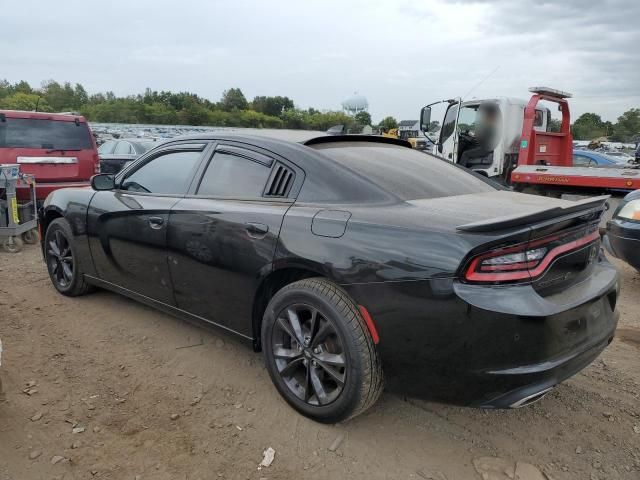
point(525, 154)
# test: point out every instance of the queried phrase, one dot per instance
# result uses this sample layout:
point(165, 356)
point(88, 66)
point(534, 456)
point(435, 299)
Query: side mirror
point(425, 119)
point(103, 181)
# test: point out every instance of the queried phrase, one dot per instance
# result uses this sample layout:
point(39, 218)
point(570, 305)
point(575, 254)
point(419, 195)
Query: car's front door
point(127, 227)
point(222, 238)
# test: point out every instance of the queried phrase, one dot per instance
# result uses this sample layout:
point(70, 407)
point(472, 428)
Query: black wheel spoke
point(286, 353)
point(318, 388)
point(313, 325)
point(324, 330)
point(333, 372)
point(53, 248)
point(58, 240)
point(308, 390)
point(283, 323)
point(294, 321)
point(68, 273)
point(330, 359)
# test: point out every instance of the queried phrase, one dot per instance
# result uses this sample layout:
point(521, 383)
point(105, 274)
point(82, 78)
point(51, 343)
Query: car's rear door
point(127, 227)
point(223, 236)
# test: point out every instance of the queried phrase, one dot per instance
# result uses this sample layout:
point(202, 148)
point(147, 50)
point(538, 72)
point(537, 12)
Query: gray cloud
point(400, 54)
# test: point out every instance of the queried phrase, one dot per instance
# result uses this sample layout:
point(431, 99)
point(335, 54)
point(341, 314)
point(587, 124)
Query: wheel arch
point(50, 214)
point(271, 284)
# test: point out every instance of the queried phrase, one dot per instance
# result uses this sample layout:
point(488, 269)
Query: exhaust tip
point(531, 399)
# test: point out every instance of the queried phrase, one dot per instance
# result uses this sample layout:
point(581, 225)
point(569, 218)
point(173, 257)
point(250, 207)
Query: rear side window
point(404, 172)
point(41, 133)
point(234, 176)
point(168, 174)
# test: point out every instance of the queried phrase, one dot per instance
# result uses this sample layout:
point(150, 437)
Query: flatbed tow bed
point(577, 178)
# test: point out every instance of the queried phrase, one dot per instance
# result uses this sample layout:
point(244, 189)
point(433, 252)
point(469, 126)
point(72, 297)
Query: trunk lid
point(561, 246)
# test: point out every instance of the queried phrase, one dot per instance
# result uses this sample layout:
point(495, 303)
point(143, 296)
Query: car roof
point(314, 162)
point(60, 117)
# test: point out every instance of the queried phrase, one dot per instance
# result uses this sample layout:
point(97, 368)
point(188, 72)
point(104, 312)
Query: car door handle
point(257, 230)
point(156, 222)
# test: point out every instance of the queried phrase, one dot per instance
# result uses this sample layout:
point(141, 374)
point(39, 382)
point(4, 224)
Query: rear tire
point(61, 256)
point(319, 353)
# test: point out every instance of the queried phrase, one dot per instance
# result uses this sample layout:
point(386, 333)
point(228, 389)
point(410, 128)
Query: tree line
point(234, 110)
point(169, 108)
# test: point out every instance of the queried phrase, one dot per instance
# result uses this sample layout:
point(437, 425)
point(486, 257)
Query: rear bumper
point(44, 189)
point(490, 347)
point(532, 382)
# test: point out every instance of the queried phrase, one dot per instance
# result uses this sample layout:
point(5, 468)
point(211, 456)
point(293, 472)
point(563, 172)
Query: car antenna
point(481, 82)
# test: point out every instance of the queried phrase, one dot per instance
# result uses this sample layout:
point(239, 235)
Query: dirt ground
point(151, 397)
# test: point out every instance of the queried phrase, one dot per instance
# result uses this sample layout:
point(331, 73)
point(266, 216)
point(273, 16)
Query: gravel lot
point(151, 397)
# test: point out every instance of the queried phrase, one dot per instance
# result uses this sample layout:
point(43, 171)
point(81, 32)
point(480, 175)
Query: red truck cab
point(58, 149)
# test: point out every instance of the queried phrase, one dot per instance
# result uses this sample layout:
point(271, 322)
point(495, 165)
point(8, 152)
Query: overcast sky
point(399, 54)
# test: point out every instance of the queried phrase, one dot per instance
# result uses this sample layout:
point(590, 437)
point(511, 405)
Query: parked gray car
point(115, 154)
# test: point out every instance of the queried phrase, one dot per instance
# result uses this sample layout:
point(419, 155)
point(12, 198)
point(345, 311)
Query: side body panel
point(128, 239)
point(218, 251)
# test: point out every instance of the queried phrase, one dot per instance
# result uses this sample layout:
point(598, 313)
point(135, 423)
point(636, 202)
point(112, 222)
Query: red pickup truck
point(58, 149)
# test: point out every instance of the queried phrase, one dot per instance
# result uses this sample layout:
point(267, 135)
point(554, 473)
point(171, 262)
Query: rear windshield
point(406, 173)
point(42, 133)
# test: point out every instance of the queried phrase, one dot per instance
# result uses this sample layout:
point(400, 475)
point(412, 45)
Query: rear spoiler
point(586, 206)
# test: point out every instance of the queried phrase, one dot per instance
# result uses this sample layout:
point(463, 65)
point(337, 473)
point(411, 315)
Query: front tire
point(61, 256)
point(319, 353)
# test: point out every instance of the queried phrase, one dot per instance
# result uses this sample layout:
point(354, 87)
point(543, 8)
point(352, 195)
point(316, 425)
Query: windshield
point(42, 133)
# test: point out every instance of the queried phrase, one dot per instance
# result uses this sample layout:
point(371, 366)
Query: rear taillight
point(525, 261)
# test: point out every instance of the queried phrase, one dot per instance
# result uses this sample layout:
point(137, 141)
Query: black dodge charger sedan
point(345, 256)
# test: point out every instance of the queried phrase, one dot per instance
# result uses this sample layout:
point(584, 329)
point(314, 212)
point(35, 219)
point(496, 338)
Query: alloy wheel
point(60, 257)
point(309, 354)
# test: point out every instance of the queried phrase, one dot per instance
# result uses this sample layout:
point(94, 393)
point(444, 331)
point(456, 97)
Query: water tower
point(354, 104)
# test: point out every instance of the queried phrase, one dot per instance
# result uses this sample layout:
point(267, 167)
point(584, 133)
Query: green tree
point(80, 96)
point(388, 123)
point(554, 125)
point(233, 99)
point(5, 88)
point(24, 101)
point(362, 118)
point(273, 106)
point(587, 127)
point(22, 87)
point(434, 126)
point(628, 126)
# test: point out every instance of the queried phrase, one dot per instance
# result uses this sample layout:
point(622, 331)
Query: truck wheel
point(319, 353)
point(62, 259)
point(31, 237)
point(12, 244)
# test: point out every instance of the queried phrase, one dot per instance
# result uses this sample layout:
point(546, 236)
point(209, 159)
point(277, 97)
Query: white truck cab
point(460, 139)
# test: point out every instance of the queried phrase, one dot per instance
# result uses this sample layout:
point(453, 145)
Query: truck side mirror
point(425, 119)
